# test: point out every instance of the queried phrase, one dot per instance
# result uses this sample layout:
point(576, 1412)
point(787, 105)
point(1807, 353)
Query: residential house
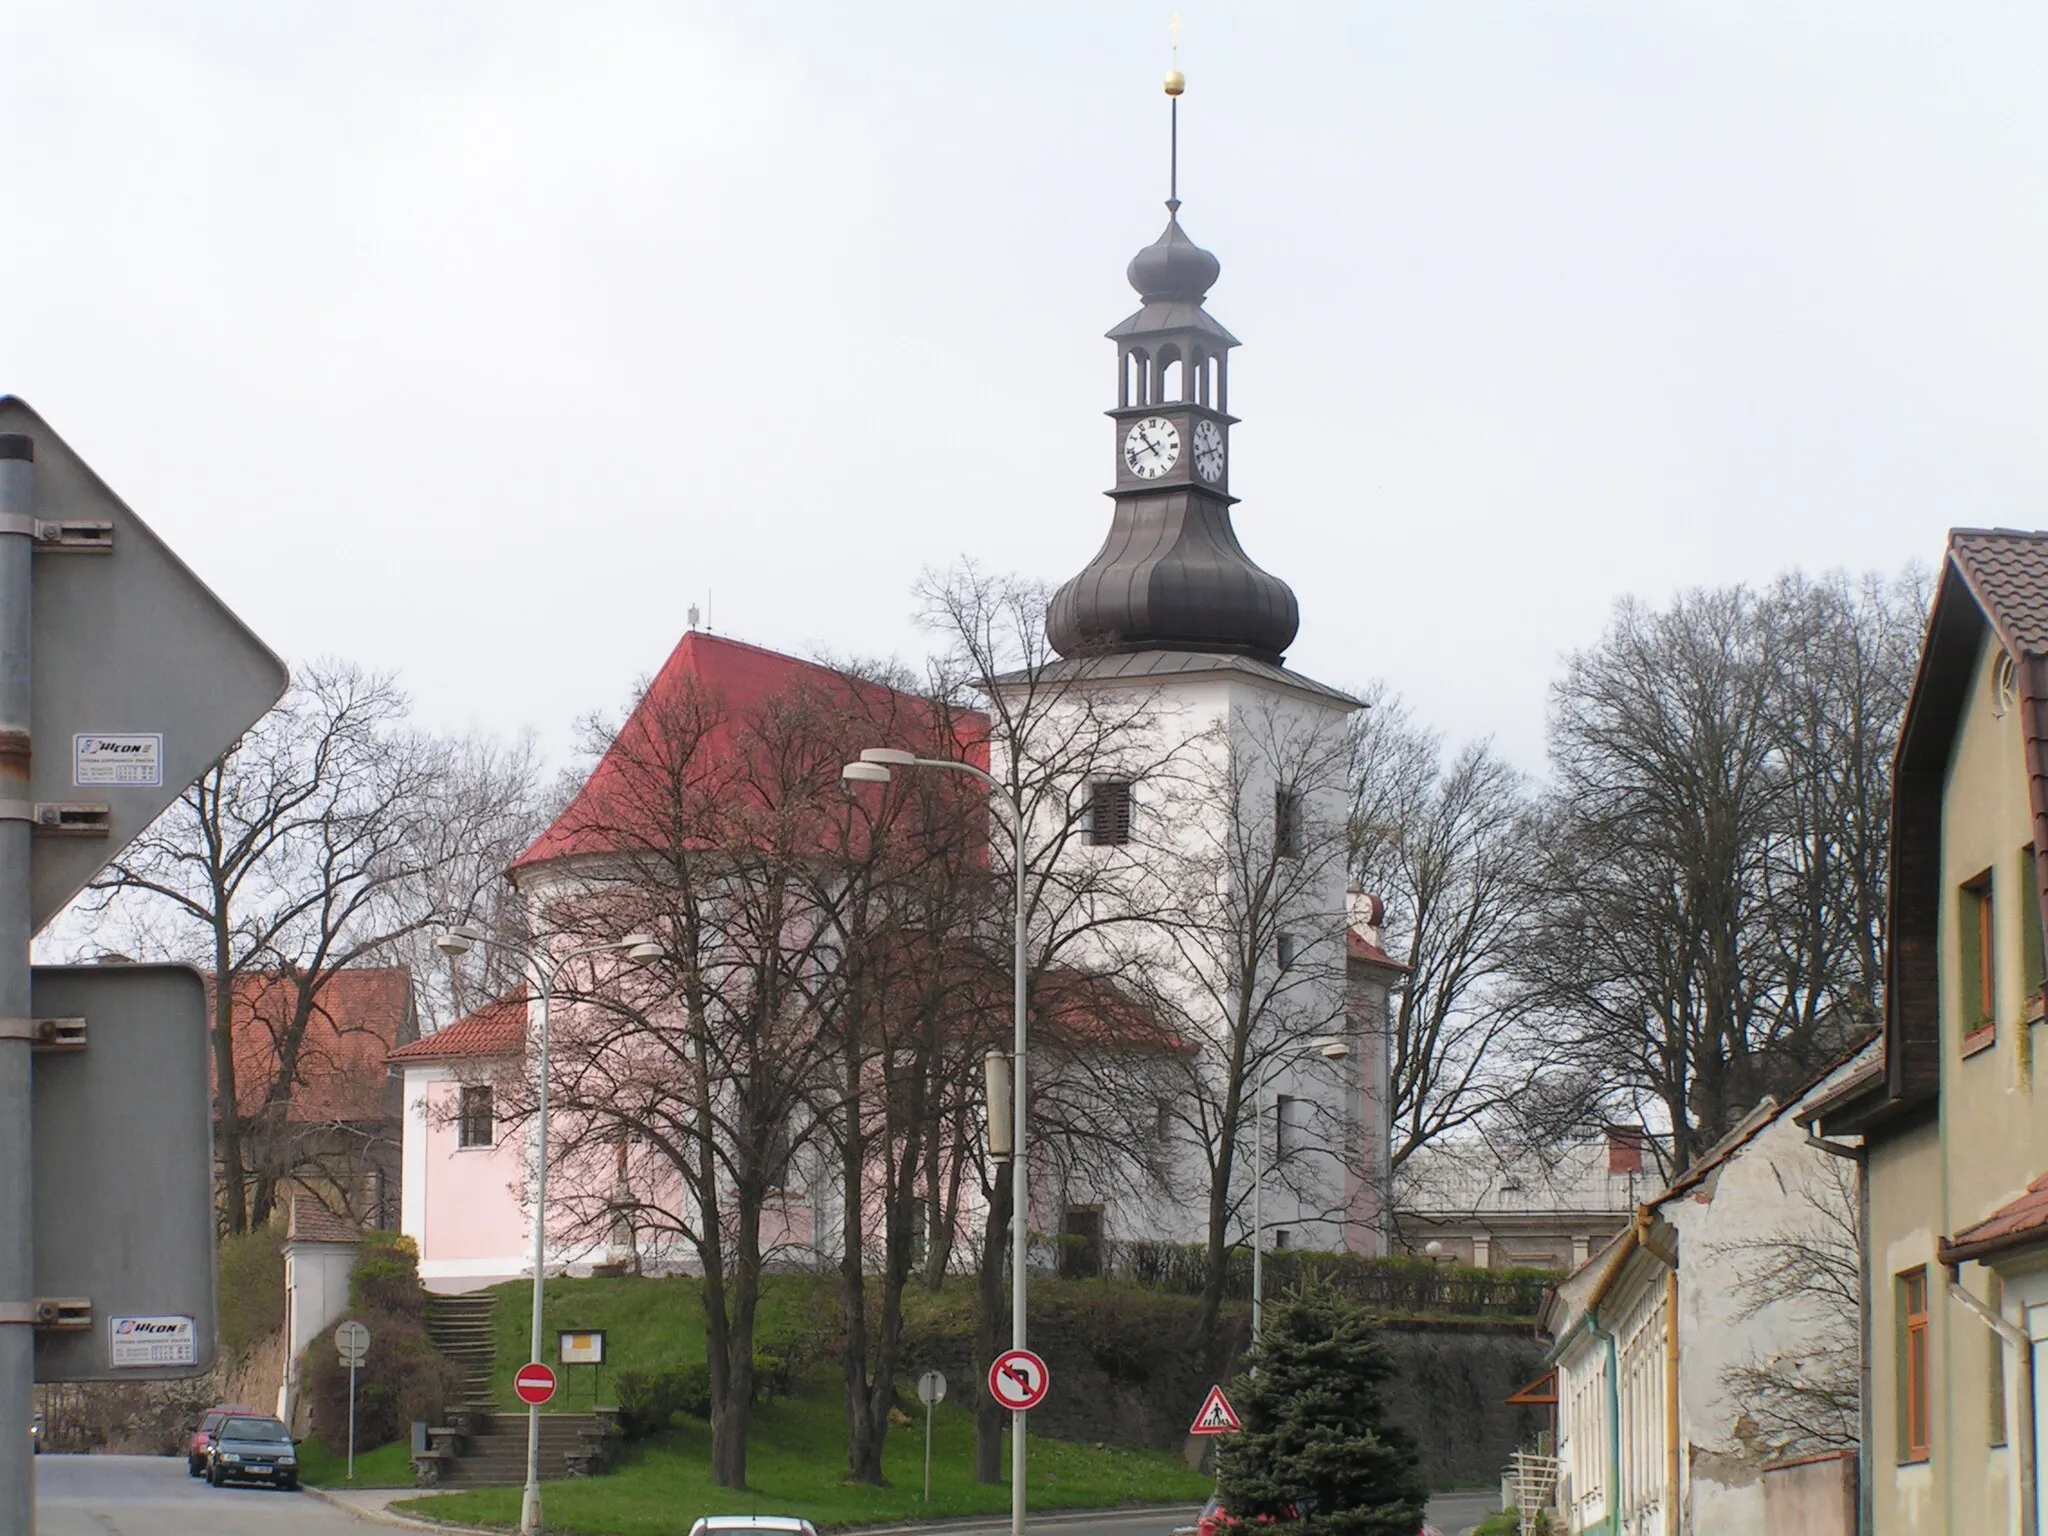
point(1952, 1125)
point(1505, 1205)
point(321, 1114)
point(1713, 1337)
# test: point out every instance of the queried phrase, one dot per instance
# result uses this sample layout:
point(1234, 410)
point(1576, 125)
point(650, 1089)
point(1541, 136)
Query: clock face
point(1152, 447)
point(1209, 451)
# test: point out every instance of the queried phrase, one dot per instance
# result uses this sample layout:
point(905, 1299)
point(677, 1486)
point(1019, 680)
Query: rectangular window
point(1287, 838)
point(477, 1120)
point(1109, 812)
point(1281, 1238)
point(1914, 1418)
point(1974, 959)
point(2027, 892)
point(1285, 949)
point(1283, 1111)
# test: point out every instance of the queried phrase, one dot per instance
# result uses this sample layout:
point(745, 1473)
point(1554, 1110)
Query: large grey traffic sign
point(123, 1173)
point(143, 678)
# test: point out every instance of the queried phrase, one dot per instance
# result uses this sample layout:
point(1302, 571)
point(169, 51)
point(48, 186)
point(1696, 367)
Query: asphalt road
point(1454, 1512)
point(153, 1496)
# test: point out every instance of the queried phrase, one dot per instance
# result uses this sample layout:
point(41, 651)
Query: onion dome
point(1173, 266)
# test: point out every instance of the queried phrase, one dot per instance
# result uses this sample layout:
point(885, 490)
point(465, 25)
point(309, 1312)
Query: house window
point(1287, 836)
point(1281, 1237)
point(1285, 948)
point(1162, 1126)
point(477, 1123)
point(1283, 1111)
point(2028, 893)
point(1109, 812)
point(1974, 960)
point(1914, 1419)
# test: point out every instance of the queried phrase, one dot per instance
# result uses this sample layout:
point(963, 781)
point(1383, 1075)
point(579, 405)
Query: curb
point(961, 1523)
point(390, 1517)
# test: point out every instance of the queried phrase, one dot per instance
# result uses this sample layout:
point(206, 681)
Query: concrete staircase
point(495, 1454)
point(460, 1327)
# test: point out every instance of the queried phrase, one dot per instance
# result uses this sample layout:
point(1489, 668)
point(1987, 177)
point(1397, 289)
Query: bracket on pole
point(46, 1034)
point(65, 1313)
point(86, 536)
point(72, 819)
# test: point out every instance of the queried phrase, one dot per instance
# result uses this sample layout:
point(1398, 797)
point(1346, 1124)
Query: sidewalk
point(375, 1504)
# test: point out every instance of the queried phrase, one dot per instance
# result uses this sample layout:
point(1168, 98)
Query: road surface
point(153, 1496)
point(1454, 1512)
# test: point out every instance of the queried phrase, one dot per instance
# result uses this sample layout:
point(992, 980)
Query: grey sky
point(478, 341)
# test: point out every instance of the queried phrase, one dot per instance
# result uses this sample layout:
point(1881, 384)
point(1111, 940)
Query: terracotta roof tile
point(2007, 570)
point(1358, 948)
point(2018, 1222)
point(359, 1014)
point(309, 1221)
point(496, 1029)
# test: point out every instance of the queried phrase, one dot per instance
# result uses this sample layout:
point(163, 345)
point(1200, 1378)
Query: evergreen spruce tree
point(1316, 1443)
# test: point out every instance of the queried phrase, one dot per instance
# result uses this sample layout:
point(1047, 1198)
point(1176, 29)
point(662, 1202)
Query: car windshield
point(254, 1429)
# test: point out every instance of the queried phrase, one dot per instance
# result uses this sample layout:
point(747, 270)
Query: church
point(1183, 793)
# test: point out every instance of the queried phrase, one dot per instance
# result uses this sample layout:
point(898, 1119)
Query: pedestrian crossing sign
point(1217, 1416)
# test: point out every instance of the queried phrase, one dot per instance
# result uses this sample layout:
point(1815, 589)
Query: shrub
point(386, 1277)
point(649, 1400)
point(251, 1289)
point(403, 1378)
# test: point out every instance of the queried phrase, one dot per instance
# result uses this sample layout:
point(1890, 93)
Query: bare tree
point(1807, 1268)
point(332, 833)
point(1706, 917)
point(1448, 847)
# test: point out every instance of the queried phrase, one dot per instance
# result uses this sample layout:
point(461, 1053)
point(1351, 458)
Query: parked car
point(201, 1443)
point(253, 1448)
point(752, 1525)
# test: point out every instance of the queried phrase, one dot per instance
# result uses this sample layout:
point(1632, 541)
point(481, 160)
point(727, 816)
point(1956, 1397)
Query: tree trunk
point(863, 1443)
point(994, 1337)
point(234, 1208)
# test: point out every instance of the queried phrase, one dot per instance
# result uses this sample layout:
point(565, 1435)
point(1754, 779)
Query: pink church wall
point(473, 1207)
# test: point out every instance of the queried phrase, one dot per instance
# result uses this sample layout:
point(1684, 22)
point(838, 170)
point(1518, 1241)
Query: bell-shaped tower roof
point(1171, 576)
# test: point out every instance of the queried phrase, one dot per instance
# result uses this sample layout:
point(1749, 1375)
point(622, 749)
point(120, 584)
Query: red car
point(201, 1443)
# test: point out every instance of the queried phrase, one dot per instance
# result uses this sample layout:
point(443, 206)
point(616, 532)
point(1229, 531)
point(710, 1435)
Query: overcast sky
point(479, 341)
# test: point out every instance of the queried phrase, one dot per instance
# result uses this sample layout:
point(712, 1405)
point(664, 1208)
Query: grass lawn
point(388, 1466)
point(796, 1465)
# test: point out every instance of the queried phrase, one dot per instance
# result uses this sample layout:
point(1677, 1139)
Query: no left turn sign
point(1018, 1380)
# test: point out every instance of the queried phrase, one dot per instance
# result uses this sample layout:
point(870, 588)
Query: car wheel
point(195, 1466)
point(213, 1477)
point(290, 1484)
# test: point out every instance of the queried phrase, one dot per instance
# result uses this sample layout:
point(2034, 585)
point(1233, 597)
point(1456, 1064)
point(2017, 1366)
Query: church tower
point(1235, 794)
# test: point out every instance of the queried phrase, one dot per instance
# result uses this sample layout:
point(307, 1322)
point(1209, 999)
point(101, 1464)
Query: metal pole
point(529, 1506)
point(351, 1421)
point(17, 1201)
point(927, 1453)
point(1020, 1202)
point(1258, 1195)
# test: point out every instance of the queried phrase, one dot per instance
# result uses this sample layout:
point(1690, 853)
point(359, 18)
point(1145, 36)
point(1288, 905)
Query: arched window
point(1172, 375)
point(1136, 365)
point(1200, 360)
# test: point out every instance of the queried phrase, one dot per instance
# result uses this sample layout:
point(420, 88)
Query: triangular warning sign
point(1217, 1416)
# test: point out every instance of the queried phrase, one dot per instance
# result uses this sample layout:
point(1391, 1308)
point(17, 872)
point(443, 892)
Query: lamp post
point(1330, 1050)
point(875, 767)
point(544, 971)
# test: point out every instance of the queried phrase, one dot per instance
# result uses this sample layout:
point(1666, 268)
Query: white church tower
point(1223, 805)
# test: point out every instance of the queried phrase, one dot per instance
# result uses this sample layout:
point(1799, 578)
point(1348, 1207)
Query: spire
point(1171, 576)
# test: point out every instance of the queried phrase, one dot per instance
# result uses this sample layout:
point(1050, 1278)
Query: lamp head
point(1334, 1050)
point(454, 943)
point(864, 773)
point(894, 757)
point(642, 948)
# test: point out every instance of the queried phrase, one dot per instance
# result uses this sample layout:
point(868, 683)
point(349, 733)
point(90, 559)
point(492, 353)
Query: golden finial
point(1176, 82)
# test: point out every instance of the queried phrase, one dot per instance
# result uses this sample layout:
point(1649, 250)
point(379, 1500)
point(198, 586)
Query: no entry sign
point(1018, 1380)
point(535, 1383)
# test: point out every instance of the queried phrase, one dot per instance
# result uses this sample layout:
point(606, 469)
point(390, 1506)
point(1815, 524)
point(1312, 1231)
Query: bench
point(429, 1459)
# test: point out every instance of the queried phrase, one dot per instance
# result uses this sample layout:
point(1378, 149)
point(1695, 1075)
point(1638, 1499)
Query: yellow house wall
point(1991, 1140)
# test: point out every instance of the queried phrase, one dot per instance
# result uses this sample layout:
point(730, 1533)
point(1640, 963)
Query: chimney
point(1624, 1149)
point(1365, 912)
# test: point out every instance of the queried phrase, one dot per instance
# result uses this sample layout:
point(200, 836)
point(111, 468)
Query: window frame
point(1289, 835)
point(467, 1117)
point(1916, 1427)
point(1977, 960)
point(1112, 811)
point(1286, 950)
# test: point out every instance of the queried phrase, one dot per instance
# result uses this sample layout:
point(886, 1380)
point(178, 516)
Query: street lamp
point(876, 766)
point(1330, 1050)
point(545, 971)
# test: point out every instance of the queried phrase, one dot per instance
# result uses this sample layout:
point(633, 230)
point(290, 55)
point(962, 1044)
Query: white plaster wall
point(315, 1296)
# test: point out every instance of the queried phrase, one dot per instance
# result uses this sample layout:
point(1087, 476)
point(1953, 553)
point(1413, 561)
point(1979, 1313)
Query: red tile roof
point(359, 1014)
point(726, 690)
point(2013, 1225)
point(1356, 948)
point(311, 1222)
point(1084, 1009)
point(496, 1029)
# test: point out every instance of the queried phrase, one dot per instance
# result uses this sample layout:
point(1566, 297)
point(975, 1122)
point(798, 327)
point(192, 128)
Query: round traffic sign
point(535, 1383)
point(931, 1387)
point(353, 1340)
point(1018, 1379)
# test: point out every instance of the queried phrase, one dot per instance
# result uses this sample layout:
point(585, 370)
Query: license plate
point(257, 1471)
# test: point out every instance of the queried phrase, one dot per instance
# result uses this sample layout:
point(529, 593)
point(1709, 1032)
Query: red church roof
point(712, 703)
point(496, 1029)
